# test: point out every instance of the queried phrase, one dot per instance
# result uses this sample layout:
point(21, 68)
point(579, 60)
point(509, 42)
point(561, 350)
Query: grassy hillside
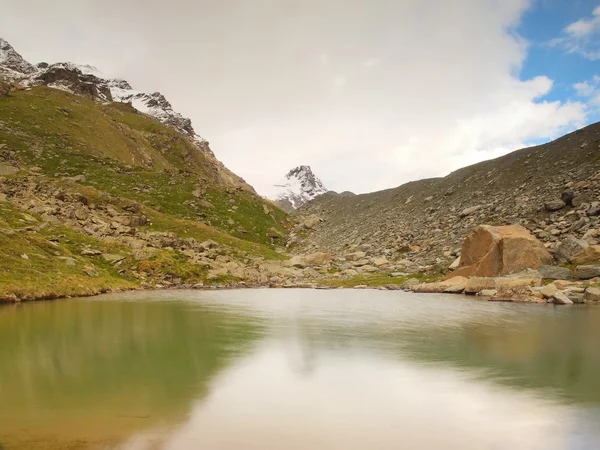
point(71, 161)
point(130, 155)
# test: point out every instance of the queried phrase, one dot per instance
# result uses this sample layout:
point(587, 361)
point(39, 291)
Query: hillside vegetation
point(79, 174)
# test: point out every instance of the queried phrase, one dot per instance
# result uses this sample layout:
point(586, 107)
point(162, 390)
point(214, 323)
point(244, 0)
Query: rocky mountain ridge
point(552, 189)
point(299, 186)
point(88, 80)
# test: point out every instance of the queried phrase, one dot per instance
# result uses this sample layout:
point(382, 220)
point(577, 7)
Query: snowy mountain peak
point(11, 62)
point(299, 186)
point(84, 79)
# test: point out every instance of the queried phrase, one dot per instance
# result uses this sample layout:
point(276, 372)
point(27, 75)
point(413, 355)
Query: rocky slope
point(424, 222)
point(96, 195)
point(298, 187)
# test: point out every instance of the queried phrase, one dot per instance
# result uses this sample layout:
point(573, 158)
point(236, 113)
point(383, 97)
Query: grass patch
point(377, 279)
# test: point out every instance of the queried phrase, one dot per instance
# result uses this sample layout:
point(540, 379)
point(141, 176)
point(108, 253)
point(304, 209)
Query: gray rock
point(468, 211)
point(567, 196)
point(554, 205)
point(569, 248)
point(588, 271)
point(592, 294)
point(559, 298)
point(555, 273)
point(575, 297)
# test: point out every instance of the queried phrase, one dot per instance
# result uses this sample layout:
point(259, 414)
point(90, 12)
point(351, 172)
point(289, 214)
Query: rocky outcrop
point(493, 251)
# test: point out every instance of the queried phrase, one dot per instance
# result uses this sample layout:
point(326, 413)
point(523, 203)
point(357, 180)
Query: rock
point(569, 248)
point(356, 256)
point(380, 262)
point(90, 252)
point(555, 273)
point(6, 169)
point(113, 259)
point(318, 258)
point(592, 294)
point(554, 205)
point(549, 290)
point(361, 286)
point(488, 292)
point(492, 251)
point(398, 274)
point(312, 222)
point(297, 261)
point(509, 283)
point(575, 297)
point(410, 283)
point(455, 264)
point(468, 211)
point(521, 294)
point(567, 196)
point(452, 285)
point(90, 271)
point(588, 271)
point(560, 298)
point(594, 210)
point(478, 284)
point(587, 255)
point(24, 256)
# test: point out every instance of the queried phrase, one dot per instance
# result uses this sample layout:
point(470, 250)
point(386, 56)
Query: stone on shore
point(454, 285)
point(592, 294)
point(559, 298)
point(493, 251)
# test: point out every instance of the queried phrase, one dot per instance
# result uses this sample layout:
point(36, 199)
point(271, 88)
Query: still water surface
point(298, 369)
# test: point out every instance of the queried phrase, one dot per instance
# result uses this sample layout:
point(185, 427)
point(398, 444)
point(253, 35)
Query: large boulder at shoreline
point(495, 251)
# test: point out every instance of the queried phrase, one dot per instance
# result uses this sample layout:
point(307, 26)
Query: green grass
point(45, 273)
point(376, 280)
point(132, 156)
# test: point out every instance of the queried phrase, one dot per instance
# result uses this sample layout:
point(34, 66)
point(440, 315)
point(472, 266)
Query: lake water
point(298, 369)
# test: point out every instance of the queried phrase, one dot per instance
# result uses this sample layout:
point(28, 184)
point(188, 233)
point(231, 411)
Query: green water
point(298, 369)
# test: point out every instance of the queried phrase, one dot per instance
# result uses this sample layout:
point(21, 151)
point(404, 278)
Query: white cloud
point(259, 79)
point(584, 89)
point(582, 37)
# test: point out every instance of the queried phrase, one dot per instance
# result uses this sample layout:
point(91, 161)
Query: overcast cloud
point(370, 93)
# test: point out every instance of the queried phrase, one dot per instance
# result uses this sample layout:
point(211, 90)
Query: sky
point(369, 93)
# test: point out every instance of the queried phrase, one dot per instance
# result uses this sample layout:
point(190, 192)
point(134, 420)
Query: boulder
point(379, 262)
point(312, 222)
point(560, 298)
point(297, 261)
point(455, 264)
point(492, 251)
point(549, 290)
point(569, 248)
point(587, 255)
point(318, 258)
point(453, 285)
point(477, 284)
point(554, 205)
point(555, 273)
point(588, 271)
point(567, 196)
point(355, 256)
point(592, 294)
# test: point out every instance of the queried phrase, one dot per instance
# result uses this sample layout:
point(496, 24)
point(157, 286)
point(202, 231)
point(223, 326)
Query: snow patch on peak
point(12, 64)
point(299, 186)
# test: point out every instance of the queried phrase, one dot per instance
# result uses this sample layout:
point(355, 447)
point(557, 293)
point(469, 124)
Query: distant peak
point(300, 185)
point(11, 61)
